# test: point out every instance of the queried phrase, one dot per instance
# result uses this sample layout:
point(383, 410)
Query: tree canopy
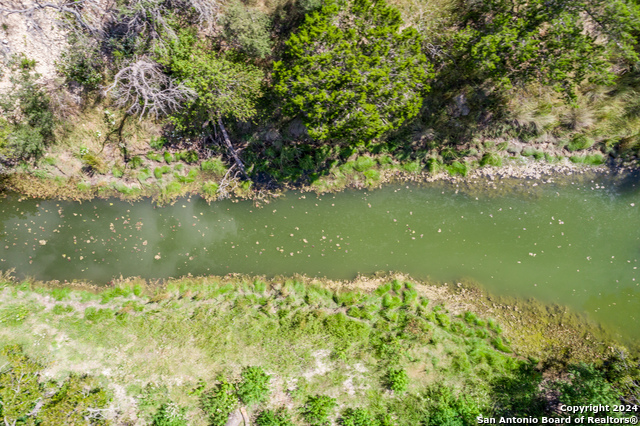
point(352, 73)
point(223, 88)
point(558, 43)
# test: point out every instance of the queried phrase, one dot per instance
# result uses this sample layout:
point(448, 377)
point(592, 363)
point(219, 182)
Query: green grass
point(580, 142)
point(216, 343)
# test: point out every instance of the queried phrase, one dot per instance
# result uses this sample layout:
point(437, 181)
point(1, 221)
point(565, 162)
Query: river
point(575, 243)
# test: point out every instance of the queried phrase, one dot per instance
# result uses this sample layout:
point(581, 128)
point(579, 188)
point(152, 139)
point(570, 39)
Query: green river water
point(575, 243)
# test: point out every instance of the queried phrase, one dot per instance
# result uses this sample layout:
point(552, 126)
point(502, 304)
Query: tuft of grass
point(214, 166)
point(491, 159)
point(458, 168)
point(594, 159)
point(210, 188)
point(158, 172)
point(412, 167)
point(363, 163)
point(580, 142)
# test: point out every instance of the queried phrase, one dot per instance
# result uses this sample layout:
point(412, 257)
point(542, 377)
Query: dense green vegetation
point(196, 351)
point(295, 92)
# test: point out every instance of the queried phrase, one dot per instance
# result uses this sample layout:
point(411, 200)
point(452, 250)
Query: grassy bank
point(388, 348)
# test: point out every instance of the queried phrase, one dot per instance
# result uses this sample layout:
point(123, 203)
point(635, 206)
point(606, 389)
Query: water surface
point(576, 244)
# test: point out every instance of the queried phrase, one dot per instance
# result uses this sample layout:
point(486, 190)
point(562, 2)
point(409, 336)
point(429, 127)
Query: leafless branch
point(72, 7)
point(143, 88)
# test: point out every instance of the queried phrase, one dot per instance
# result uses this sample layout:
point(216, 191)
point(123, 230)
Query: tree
point(352, 73)
point(27, 110)
point(558, 43)
point(224, 89)
point(246, 30)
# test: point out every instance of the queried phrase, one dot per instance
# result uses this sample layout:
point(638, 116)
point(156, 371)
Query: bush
point(246, 30)
point(356, 417)
point(219, 402)
point(396, 380)
point(82, 62)
point(274, 418)
point(254, 387)
point(28, 116)
point(170, 415)
point(318, 409)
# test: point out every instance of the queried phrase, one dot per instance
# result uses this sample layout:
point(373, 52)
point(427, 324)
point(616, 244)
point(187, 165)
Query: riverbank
point(210, 179)
point(152, 343)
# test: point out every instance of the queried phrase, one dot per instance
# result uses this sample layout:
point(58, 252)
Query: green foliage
point(246, 30)
point(318, 409)
point(82, 62)
point(157, 143)
point(500, 345)
point(219, 402)
point(443, 408)
point(587, 386)
point(214, 166)
point(580, 142)
point(20, 389)
point(117, 171)
point(396, 380)
point(279, 417)
point(210, 188)
point(28, 115)
point(158, 172)
point(170, 414)
point(254, 387)
point(223, 88)
point(69, 403)
point(491, 159)
point(458, 168)
point(357, 417)
point(363, 163)
point(594, 159)
point(93, 163)
point(346, 89)
point(72, 402)
point(96, 315)
point(135, 162)
point(552, 43)
point(519, 394)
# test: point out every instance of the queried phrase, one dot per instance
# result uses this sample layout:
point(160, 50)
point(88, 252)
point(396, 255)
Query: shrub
point(279, 417)
point(28, 115)
point(254, 387)
point(396, 380)
point(356, 417)
point(82, 61)
point(246, 30)
point(170, 414)
point(219, 402)
point(317, 410)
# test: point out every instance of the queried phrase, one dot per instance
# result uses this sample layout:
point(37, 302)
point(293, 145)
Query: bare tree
point(85, 12)
point(143, 88)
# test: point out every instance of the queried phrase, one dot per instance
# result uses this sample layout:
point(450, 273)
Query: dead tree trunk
point(231, 149)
